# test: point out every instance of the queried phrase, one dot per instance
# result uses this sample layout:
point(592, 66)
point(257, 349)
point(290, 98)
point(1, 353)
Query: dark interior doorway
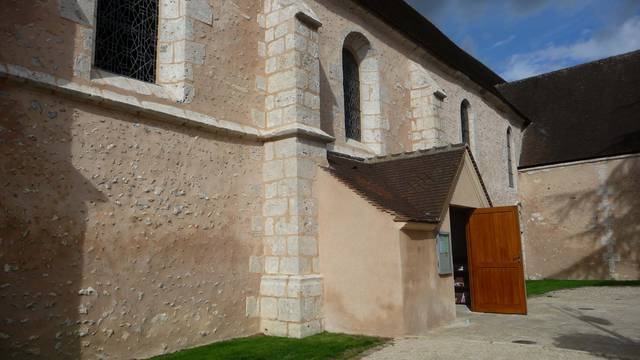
point(459, 219)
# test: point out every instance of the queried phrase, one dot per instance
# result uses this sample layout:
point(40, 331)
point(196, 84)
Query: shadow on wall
point(43, 216)
point(43, 198)
point(615, 206)
point(328, 104)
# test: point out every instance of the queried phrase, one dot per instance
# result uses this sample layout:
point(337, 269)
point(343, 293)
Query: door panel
point(495, 261)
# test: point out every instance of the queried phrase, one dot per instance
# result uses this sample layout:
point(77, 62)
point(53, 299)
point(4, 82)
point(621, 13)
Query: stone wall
point(581, 220)
point(131, 232)
point(121, 236)
point(418, 97)
point(209, 59)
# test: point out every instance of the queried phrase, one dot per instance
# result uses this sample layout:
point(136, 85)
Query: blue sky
point(522, 38)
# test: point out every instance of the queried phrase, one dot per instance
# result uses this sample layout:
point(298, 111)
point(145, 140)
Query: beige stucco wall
point(581, 220)
point(360, 261)
point(121, 236)
point(380, 278)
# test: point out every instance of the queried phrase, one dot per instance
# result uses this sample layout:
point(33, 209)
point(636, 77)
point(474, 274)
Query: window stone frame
point(177, 50)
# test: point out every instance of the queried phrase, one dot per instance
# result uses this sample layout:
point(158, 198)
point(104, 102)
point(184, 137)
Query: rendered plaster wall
point(360, 260)
point(581, 220)
point(122, 237)
point(211, 47)
point(395, 58)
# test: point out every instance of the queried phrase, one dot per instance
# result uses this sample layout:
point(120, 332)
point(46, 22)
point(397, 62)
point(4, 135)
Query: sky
point(522, 38)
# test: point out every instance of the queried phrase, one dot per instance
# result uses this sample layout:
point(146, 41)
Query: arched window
point(351, 85)
point(464, 122)
point(509, 159)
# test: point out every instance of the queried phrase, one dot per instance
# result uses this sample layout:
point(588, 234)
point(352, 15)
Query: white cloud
point(503, 42)
point(617, 40)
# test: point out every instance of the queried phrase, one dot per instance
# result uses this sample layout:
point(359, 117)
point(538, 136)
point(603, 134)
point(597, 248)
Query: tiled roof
point(412, 186)
point(580, 113)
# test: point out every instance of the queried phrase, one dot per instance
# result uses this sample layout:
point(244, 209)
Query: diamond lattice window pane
point(126, 36)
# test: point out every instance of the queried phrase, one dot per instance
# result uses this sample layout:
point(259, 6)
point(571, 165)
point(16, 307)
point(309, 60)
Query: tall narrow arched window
point(509, 158)
point(464, 122)
point(351, 85)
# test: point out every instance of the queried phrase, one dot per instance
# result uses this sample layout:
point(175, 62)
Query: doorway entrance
point(459, 218)
point(489, 274)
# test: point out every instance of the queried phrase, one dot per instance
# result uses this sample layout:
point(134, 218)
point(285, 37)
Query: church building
point(180, 172)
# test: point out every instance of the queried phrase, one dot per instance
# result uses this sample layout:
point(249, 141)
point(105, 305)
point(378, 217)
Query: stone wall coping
point(158, 110)
point(542, 168)
point(299, 130)
point(300, 278)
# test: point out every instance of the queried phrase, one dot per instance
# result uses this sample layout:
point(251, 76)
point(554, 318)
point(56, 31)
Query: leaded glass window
point(464, 122)
point(351, 85)
point(509, 159)
point(126, 37)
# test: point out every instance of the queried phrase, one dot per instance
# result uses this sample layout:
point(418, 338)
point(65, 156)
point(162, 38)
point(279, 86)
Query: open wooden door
point(495, 261)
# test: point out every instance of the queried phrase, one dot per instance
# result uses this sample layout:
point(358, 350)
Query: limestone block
point(165, 53)
point(289, 309)
point(287, 225)
point(302, 206)
point(282, 30)
point(288, 60)
point(310, 308)
point(271, 190)
point(272, 19)
point(269, 102)
point(169, 9)
point(252, 309)
point(281, 81)
point(175, 72)
point(272, 170)
point(268, 308)
point(304, 286)
point(275, 207)
point(295, 265)
point(273, 327)
point(269, 226)
point(271, 264)
point(286, 148)
point(274, 118)
point(199, 10)
point(295, 41)
point(256, 264)
point(78, 11)
point(275, 245)
point(176, 30)
point(273, 286)
point(289, 97)
point(300, 330)
point(189, 51)
point(308, 246)
point(276, 47)
point(269, 35)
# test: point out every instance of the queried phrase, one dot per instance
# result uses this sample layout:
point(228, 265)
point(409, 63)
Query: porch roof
point(415, 186)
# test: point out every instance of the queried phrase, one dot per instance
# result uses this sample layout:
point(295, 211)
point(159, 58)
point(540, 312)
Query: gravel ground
point(583, 323)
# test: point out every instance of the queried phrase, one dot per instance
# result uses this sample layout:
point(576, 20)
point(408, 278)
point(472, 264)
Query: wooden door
point(495, 261)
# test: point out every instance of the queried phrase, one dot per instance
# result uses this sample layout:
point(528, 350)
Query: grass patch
point(316, 347)
point(539, 287)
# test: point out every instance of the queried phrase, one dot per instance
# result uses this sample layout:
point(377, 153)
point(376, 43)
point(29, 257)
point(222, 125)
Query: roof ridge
point(416, 153)
point(571, 68)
